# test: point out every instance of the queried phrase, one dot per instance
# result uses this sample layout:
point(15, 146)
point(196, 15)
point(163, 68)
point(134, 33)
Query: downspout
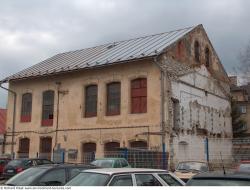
point(14, 118)
point(57, 112)
point(162, 115)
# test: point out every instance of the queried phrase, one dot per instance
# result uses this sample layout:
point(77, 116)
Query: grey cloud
point(31, 31)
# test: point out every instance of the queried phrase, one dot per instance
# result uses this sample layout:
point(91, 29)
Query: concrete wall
point(77, 129)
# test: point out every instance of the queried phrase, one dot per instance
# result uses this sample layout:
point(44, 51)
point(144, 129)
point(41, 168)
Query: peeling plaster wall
point(204, 112)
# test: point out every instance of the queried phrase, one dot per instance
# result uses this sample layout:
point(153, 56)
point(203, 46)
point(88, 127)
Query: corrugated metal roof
point(110, 53)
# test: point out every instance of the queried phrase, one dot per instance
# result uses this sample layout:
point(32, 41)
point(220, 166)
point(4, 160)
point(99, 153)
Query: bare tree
point(244, 67)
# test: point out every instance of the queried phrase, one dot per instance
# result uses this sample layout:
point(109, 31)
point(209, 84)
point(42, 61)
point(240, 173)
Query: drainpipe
point(57, 112)
point(14, 118)
point(162, 111)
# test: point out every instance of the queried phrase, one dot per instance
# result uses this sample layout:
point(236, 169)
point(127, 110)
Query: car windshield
point(26, 177)
point(89, 179)
point(198, 166)
point(218, 182)
point(103, 163)
point(15, 163)
point(244, 168)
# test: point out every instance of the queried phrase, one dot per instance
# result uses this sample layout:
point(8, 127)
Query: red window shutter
point(136, 105)
point(139, 95)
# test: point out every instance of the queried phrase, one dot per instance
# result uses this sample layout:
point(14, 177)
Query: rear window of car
point(124, 163)
point(16, 162)
point(218, 182)
point(170, 180)
point(103, 163)
point(26, 177)
point(89, 179)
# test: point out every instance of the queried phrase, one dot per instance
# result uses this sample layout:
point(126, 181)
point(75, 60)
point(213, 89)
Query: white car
point(125, 177)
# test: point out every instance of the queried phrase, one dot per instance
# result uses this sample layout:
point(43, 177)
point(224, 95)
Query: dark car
point(18, 165)
point(220, 179)
point(3, 163)
point(47, 175)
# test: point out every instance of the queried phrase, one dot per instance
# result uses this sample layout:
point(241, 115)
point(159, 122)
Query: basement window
point(26, 107)
point(48, 108)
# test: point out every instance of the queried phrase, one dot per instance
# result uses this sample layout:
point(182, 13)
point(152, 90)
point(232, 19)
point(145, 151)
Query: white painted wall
point(209, 111)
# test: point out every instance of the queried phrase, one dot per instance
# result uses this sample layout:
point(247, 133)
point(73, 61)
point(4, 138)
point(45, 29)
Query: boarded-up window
point(113, 98)
point(45, 147)
point(207, 57)
point(139, 144)
point(24, 145)
point(111, 146)
point(26, 107)
point(139, 95)
point(91, 101)
point(88, 152)
point(197, 51)
point(48, 108)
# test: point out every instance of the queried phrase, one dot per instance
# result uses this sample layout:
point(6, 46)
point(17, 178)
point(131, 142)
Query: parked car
point(220, 179)
point(125, 177)
point(47, 175)
point(187, 169)
point(3, 163)
point(111, 163)
point(18, 165)
point(244, 166)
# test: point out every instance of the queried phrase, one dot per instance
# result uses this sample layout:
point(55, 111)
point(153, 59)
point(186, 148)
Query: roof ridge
point(136, 38)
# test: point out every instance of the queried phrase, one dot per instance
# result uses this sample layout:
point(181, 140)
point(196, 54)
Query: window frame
point(90, 101)
point(197, 52)
point(243, 109)
point(155, 175)
point(26, 113)
point(117, 175)
point(109, 99)
point(207, 57)
point(140, 94)
point(48, 107)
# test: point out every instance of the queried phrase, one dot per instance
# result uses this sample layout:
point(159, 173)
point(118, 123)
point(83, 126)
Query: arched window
point(48, 108)
point(91, 101)
point(24, 146)
point(139, 144)
point(207, 57)
point(197, 51)
point(139, 95)
point(26, 107)
point(88, 152)
point(111, 148)
point(113, 98)
point(45, 147)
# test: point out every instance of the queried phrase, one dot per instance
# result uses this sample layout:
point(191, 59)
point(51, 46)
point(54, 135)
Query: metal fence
point(137, 158)
point(215, 151)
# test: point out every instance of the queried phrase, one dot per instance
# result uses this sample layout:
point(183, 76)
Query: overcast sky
point(31, 31)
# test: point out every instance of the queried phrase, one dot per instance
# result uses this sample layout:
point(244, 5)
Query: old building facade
point(166, 89)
